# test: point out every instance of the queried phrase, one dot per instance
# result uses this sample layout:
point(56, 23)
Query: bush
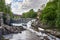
point(30, 14)
point(49, 14)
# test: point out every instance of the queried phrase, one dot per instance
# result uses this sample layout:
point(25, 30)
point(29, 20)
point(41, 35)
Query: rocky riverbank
point(5, 30)
point(10, 29)
point(53, 32)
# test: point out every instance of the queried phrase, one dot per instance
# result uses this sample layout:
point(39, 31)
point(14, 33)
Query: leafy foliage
point(2, 5)
point(51, 14)
point(30, 14)
point(5, 8)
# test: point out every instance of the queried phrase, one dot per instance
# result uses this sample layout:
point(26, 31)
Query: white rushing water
point(30, 34)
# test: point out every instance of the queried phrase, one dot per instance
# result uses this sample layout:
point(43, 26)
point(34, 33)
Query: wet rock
point(41, 39)
point(0, 33)
point(53, 32)
point(46, 38)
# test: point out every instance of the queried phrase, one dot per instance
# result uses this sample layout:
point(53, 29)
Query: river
point(30, 34)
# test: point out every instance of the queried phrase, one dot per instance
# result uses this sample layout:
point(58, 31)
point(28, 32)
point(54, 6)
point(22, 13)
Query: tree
point(30, 14)
point(5, 8)
point(2, 5)
point(58, 14)
point(49, 14)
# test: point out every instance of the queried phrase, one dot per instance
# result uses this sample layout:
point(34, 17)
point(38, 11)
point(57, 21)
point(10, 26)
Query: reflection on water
point(27, 35)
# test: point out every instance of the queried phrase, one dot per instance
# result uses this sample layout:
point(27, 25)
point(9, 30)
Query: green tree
point(2, 5)
point(5, 8)
point(58, 14)
point(49, 14)
point(30, 14)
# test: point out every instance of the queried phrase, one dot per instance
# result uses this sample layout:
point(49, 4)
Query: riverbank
point(2, 38)
point(6, 29)
point(30, 34)
point(52, 31)
point(49, 30)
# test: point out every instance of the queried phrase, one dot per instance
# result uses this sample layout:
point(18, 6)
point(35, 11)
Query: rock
point(41, 29)
point(46, 38)
point(0, 33)
point(53, 32)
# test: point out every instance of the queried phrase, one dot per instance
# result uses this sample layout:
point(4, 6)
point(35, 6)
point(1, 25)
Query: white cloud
point(7, 1)
point(25, 5)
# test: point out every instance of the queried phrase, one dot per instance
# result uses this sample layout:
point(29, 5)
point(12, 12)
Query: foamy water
point(29, 34)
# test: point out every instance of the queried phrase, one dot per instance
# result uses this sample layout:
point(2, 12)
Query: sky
point(20, 6)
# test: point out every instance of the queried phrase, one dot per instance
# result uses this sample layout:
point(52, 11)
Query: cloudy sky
point(20, 6)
